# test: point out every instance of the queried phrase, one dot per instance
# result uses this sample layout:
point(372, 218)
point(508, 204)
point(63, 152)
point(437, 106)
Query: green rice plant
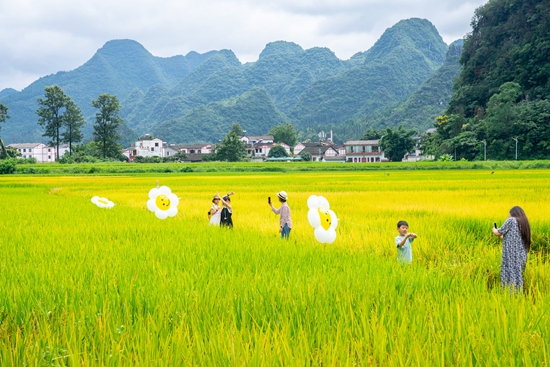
point(81, 285)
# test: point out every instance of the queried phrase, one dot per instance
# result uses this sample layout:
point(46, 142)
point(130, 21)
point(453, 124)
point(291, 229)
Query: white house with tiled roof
point(364, 151)
point(40, 151)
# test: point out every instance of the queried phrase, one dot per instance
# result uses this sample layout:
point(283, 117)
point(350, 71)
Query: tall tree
point(3, 113)
point(73, 121)
point(107, 125)
point(284, 133)
point(231, 149)
point(396, 142)
point(372, 134)
point(50, 114)
point(3, 117)
point(237, 129)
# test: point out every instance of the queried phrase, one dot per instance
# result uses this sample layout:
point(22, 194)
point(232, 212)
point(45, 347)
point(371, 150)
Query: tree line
point(62, 120)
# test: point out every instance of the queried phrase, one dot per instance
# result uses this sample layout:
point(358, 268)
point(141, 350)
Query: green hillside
point(253, 110)
point(118, 68)
point(401, 60)
point(421, 108)
point(509, 43)
point(287, 83)
point(500, 108)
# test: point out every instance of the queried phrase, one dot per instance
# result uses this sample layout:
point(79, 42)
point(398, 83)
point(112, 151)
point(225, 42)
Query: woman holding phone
point(516, 242)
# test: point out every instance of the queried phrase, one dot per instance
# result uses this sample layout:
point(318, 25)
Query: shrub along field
point(86, 286)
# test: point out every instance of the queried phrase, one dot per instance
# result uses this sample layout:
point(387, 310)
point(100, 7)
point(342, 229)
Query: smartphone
point(269, 199)
point(495, 224)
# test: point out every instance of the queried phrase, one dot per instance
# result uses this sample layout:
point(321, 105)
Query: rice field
point(85, 286)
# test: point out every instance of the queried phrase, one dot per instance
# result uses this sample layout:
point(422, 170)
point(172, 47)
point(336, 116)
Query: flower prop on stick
point(322, 219)
point(102, 202)
point(162, 202)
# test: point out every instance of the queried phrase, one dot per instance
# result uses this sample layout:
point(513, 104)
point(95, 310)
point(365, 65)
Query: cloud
point(38, 38)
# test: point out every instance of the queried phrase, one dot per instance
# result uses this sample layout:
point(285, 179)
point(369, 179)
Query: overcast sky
point(38, 37)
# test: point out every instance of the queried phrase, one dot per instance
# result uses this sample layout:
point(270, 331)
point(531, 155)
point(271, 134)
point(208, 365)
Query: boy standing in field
point(403, 243)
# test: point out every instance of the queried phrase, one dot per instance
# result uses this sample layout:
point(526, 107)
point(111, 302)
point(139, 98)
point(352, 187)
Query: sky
point(39, 38)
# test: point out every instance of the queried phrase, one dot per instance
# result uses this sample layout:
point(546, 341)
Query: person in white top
point(215, 211)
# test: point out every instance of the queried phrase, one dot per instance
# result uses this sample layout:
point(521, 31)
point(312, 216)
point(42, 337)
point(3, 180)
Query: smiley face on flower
point(163, 202)
point(322, 219)
point(102, 202)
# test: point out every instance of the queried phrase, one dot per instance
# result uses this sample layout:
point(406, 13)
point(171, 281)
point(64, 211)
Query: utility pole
point(516, 139)
point(484, 150)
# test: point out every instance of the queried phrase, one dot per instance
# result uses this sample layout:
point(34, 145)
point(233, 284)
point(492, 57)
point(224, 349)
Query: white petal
point(173, 210)
point(312, 202)
point(151, 205)
point(174, 200)
point(313, 217)
point(161, 214)
point(165, 190)
point(323, 203)
point(153, 193)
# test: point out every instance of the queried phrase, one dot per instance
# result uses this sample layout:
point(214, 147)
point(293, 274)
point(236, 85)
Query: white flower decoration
point(322, 219)
point(102, 202)
point(162, 202)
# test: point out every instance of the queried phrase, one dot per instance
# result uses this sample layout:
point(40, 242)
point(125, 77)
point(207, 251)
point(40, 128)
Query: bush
point(306, 156)
point(26, 160)
point(8, 166)
point(154, 159)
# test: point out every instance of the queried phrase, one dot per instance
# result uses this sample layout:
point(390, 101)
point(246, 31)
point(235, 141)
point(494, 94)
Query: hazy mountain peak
point(416, 33)
point(122, 47)
point(281, 47)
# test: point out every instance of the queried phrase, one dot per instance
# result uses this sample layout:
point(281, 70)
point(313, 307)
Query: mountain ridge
point(306, 87)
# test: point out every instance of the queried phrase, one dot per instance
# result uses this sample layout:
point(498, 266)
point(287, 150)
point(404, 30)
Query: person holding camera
point(285, 221)
point(226, 219)
point(516, 242)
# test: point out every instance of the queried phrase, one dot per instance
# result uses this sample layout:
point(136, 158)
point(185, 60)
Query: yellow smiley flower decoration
point(102, 202)
point(322, 219)
point(162, 202)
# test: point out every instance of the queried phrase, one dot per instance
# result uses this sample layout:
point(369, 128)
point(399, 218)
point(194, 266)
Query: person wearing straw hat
point(284, 211)
point(215, 211)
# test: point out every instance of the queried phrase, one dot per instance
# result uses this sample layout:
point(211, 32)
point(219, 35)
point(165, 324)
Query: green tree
point(73, 121)
point(237, 129)
point(306, 156)
point(178, 157)
point(3, 117)
point(284, 133)
point(372, 134)
point(231, 149)
point(277, 151)
point(3, 113)
point(500, 123)
point(396, 142)
point(107, 124)
point(50, 113)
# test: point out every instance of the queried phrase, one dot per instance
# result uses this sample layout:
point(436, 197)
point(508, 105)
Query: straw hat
point(283, 196)
point(216, 197)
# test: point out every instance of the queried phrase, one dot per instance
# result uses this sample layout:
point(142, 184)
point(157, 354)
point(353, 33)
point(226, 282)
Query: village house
point(417, 154)
point(39, 151)
point(320, 151)
point(257, 139)
point(146, 147)
point(364, 151)
point(258, 147)
point(195, 148)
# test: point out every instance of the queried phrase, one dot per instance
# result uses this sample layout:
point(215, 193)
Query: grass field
point(84, 286)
